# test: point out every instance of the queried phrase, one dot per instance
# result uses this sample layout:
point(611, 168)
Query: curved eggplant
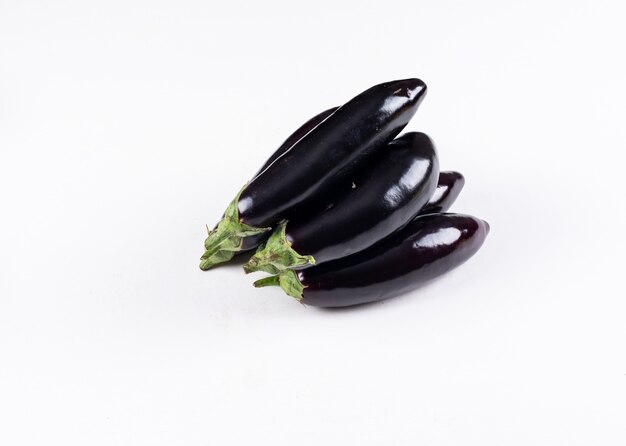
point(427, 247)
point(386, 195)
point(296, 136)
point(315, 165)
point(448, 189)
point(253, 241)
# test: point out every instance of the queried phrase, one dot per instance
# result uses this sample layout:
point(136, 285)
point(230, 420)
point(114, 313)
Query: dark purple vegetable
point(386, 195)
point(296, 136)
point(426, 248)
point(253, 241)
point(315, 165)
point(448, 189)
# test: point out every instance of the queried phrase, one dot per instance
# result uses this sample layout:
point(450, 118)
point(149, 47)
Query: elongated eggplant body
point(315, 165)
point(253, 241)
point(296, 136)
point(448, 189)
point(386, 196)
point(330, 151)
point(426, 248)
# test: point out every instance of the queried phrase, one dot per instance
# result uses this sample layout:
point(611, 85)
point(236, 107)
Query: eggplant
point(448, 189)
point(253, 241)
point(296, 136)
point(311, 168)
point(386, 195)
point(427, 247)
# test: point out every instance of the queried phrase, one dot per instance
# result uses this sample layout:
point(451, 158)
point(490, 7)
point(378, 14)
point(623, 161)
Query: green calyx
point(287, 280)
point(226, 239)
point(277, 255)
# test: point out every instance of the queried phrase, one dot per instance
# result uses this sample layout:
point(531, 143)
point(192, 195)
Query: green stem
point(226, 239)
point(267, 281)
point(287, 280)
point(277, 255)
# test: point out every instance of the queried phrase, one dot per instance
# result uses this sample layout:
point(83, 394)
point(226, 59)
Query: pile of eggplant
point(346, 212)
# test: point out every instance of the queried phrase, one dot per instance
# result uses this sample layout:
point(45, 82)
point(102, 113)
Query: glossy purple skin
point(296, 136)
point(252, 242)
point(427, 247)
point(331, 152)
point(387, 194)
point(448, 189)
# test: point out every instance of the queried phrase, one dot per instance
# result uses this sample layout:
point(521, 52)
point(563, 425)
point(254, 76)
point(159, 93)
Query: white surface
point(126, 126)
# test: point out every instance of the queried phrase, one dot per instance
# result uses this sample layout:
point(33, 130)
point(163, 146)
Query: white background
point(125, 126)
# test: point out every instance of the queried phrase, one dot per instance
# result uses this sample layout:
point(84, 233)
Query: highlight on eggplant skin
point(426, 248)
point(251, 242)
point(448, 189)
point(315, 165)
point(331, 151)
point(296, 136)
point(387, 194)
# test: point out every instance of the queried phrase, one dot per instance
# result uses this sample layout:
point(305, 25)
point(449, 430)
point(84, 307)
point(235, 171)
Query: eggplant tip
point(459, 176)
point(415, 88)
